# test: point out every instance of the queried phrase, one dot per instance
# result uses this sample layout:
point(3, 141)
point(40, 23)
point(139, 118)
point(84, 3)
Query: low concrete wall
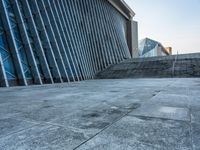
point(187, 65)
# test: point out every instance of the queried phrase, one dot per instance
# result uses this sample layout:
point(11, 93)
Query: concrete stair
point(187, 65)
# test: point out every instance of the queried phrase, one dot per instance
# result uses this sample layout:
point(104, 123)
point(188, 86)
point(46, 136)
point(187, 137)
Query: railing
point(174, 63)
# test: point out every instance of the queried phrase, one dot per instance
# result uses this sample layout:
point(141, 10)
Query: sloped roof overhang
point(123, 8)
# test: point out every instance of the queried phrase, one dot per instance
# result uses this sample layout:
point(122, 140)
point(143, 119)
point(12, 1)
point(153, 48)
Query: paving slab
point(195, 115)
point(43, 137)
point(10, 126)
point(195, 102)
point(142, 133)
point(141, 114)
point(92, 120)
point(171, 100)
point(164, 112)
point(196, 135)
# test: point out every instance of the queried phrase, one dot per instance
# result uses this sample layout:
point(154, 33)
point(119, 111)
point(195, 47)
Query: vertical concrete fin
point(109, 38)
point(89, 40)
point(3, 77)
point(52, 39)
point(69, 19)
point(99, 28)
point(12, 43)
point(88, 26)
point(79, 41)
point(26, 42)
point(115, 28)
point(47, 45)
point(58, 36)
point(36, 43)
point(67, 45)
point(61, 40)
point(70, 37)
point(118, 48)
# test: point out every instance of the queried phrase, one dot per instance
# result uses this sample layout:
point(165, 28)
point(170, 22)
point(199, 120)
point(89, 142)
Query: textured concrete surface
point(141, 114)
point(184, 66)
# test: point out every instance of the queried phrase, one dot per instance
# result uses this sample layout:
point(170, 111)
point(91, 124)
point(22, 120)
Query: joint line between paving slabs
point(20, 131)
point(191, 133)
point(109, 125)
point(103, 129)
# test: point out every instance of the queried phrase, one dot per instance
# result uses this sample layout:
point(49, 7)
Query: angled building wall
point(132, 38)
point(55, 41)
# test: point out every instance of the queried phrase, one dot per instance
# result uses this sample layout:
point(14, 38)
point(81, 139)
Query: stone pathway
point(128, 114)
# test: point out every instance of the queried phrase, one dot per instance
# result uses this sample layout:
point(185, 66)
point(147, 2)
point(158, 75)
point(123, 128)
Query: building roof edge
point(123, 8)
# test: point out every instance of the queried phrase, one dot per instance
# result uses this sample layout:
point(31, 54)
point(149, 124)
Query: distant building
point(152, 48)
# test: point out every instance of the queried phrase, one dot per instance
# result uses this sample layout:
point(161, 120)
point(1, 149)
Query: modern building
point(55, 41)
point(152, 48)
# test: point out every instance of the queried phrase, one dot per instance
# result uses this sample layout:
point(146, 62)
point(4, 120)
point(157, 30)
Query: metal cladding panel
point(48, 41)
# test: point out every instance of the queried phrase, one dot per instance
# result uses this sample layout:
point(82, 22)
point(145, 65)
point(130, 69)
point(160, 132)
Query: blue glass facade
point(48, 41)
point(6, 55)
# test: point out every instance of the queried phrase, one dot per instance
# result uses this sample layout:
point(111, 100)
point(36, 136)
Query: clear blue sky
point(174, 23)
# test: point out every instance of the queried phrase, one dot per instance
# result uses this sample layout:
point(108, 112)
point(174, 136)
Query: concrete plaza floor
point(128, 114)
